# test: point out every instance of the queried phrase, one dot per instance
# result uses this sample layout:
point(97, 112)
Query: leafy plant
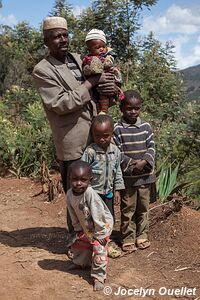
point(26, 139)
point(167, 182)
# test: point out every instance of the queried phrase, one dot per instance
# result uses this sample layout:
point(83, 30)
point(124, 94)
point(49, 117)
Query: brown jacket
point(68, 106)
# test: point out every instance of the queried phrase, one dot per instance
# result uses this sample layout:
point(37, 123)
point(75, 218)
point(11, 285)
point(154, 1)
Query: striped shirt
point(135, 141)
point(71, 64)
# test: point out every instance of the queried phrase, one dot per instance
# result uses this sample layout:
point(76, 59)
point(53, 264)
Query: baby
point(101, 59)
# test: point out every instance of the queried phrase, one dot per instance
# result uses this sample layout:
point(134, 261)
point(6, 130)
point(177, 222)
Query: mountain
point(191, 77)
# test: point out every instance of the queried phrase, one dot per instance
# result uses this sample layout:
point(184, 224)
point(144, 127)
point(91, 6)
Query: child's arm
point(75, 220)
point(126, 161)
point(103, 221)
point(149, 156)
point(118, 179)
point(92, 65)
point(147, 162)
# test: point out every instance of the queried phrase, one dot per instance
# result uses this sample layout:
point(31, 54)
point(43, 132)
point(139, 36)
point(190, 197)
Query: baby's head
point(96, 42)
point(102, 130)
point(130, 106)
point(80, 175)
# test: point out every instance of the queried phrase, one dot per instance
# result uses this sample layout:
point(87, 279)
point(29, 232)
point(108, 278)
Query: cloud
point(175, 20)
point(9, 20)
point(183, 58)
point(181, 26)
point(77, 10)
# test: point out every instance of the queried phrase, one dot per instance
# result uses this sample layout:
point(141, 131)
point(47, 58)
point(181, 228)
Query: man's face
point(57, 41)
point(79, 180)
point(131, 110)
point(102, 134)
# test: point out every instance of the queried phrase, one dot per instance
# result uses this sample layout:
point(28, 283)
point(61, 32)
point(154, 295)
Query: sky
point(177, 21)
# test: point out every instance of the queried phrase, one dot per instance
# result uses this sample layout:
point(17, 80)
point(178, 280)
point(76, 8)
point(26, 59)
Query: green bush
point(26, 139)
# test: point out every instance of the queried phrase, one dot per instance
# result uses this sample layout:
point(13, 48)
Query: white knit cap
point(96, 34)
point(54, 22)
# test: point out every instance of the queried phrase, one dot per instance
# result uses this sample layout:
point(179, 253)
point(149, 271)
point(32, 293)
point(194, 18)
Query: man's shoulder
point(43, 64)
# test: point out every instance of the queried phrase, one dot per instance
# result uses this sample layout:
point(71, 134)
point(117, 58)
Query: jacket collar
point(100, 150)
point(64, 72)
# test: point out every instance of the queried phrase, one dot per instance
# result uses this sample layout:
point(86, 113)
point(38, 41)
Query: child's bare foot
point(98, 286)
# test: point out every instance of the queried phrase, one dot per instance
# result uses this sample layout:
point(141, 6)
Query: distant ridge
point(191, 78)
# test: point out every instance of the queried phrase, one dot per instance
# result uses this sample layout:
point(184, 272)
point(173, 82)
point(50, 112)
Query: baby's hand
point(108, 65)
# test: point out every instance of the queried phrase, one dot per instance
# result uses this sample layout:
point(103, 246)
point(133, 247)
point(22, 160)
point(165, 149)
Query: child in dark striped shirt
point(134, 137)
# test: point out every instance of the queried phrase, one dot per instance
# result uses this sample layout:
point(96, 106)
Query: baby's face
point(96, 47)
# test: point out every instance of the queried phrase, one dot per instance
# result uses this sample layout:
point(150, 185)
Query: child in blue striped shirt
point(134, 138)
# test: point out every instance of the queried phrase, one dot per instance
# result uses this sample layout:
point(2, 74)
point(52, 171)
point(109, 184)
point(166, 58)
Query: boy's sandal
point(143, 244)
point(129, 247)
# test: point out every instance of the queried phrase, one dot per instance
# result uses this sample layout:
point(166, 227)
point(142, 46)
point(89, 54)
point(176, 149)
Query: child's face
point(131, 110)
point(102, 134)
point(79, 180)
point(96, 47)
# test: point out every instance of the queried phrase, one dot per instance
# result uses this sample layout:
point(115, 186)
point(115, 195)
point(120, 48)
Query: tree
point(158, 82)
point(62, 8)
point(19, 52)
point(5, 54)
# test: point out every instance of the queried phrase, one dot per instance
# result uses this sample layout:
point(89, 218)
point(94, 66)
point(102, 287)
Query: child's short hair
point(100, 119)
point(128, 95)
point(80, 164)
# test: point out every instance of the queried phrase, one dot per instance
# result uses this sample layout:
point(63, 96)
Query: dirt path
point(34, 264)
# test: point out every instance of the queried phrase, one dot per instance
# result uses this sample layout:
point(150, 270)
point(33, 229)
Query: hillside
point(192, 82)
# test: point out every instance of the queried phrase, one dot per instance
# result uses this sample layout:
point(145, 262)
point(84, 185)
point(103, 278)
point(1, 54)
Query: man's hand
point(117, 197)
point(106, 85)
point(105, 82)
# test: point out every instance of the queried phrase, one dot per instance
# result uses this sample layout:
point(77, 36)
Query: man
point(66, 94)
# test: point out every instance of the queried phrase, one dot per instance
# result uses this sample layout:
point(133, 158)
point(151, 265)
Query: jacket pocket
point(97, 174)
